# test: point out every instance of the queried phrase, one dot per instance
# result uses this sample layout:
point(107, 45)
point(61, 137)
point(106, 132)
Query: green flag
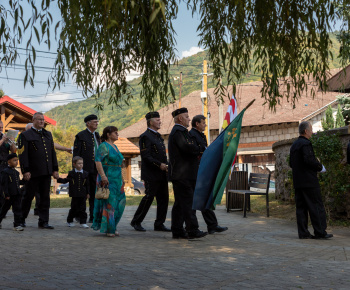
point(230, 146)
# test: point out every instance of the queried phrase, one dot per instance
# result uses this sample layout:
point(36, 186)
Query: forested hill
point(73, 113)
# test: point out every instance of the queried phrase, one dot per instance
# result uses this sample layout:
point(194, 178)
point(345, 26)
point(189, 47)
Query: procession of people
point(97, 171)
point(97, 163)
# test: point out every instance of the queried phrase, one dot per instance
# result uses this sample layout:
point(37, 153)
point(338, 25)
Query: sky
point(41, 98)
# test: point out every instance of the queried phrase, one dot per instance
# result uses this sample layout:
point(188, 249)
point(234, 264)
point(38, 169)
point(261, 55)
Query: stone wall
point(282, 187)
point(281, 150)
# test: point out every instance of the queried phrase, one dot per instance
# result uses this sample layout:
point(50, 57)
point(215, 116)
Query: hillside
point(73, 113)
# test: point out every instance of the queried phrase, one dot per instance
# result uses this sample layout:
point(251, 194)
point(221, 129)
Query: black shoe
point(45, 226)
point(36, 212)
point(139, 228)
point(180, 236)
point(326, 236)
point(196, 235)
point(162, 228)
point(217, 229)
point(307, 237)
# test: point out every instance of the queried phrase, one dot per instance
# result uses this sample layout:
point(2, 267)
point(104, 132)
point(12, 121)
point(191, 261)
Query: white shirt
point(180, 125)
point(152, 130)
point(94, 137)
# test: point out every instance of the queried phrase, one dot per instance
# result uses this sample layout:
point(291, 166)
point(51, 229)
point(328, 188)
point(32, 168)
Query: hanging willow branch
point(101, 41)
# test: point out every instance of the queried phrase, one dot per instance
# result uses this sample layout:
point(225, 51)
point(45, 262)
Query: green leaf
point(36, 34)
point(154, 15)
point(34, 53)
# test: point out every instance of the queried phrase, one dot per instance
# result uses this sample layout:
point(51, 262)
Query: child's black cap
point(12, 155)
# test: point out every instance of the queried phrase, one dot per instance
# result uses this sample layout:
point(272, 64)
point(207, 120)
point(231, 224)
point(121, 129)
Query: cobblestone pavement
point(255, 253)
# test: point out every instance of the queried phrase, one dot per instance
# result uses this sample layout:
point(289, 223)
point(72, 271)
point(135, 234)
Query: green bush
point(334, 182)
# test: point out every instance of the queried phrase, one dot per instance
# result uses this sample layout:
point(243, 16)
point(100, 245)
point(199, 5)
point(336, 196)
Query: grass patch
point(63, 201)
point(278, 208)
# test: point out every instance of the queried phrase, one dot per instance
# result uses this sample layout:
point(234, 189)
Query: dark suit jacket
point(10, 182)
point(153, 153)
point(183, 154)
point(201, 140)
point(37, 153)
point(78, 183)
point(84, 147)
point(304, 164)
point(4, 152)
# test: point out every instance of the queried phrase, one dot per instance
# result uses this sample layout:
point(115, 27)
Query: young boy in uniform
point(78, 191)
point(10, 183)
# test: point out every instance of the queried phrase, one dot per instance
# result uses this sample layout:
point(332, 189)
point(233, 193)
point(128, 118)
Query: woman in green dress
point(107, 212)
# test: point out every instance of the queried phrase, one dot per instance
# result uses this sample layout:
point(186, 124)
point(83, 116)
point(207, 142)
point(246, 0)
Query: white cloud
point(133, 74)
point(45, 103)
point(193, 50)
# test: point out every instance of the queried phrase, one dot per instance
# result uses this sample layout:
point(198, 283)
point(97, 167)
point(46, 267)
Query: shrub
point(334, 182)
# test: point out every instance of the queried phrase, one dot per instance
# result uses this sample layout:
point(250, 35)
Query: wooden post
point(9, 119)
point(180, 84)
point(128, 173)
point(3, 114)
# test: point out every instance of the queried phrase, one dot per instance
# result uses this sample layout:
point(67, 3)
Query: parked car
point(62, 189)
point(139, 187)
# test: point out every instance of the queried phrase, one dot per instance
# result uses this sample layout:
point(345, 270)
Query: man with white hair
point(38, 163)
point(308, 199)
point(154, 173)
point(183, 155)
point(57, 147)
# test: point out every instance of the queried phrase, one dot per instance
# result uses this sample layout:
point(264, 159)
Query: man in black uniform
point(5, 148)
point(183, 155)
point(154, 174)
point(85, 145)
point(308, 198)
point(38, 163)
point(198, 126)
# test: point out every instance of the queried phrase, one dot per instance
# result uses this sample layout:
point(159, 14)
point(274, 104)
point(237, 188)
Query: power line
point(48, 94)
point(54, 101)
point(55, 53)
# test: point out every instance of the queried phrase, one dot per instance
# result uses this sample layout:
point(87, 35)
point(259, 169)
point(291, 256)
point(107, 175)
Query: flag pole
point(251, 103)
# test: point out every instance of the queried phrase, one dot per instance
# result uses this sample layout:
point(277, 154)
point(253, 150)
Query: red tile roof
point(24, 108)
point(339, 81)
point(126, 147)
point(257, 114)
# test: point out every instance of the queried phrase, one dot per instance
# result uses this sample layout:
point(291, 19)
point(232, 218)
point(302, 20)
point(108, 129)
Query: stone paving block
point(255, 253)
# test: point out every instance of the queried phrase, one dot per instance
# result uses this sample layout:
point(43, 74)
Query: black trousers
point(15, 202)
point(77, 209)
point(210, 219)
point(92, 183)
point(309, 201)
point(158, 189)
point(182, 209)
point(40, 184)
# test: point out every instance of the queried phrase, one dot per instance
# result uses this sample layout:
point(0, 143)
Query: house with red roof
point(261, 127)
point(16, 116)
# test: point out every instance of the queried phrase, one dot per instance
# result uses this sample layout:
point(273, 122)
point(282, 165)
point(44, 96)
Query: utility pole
point(204, 97)
point(180, 85)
